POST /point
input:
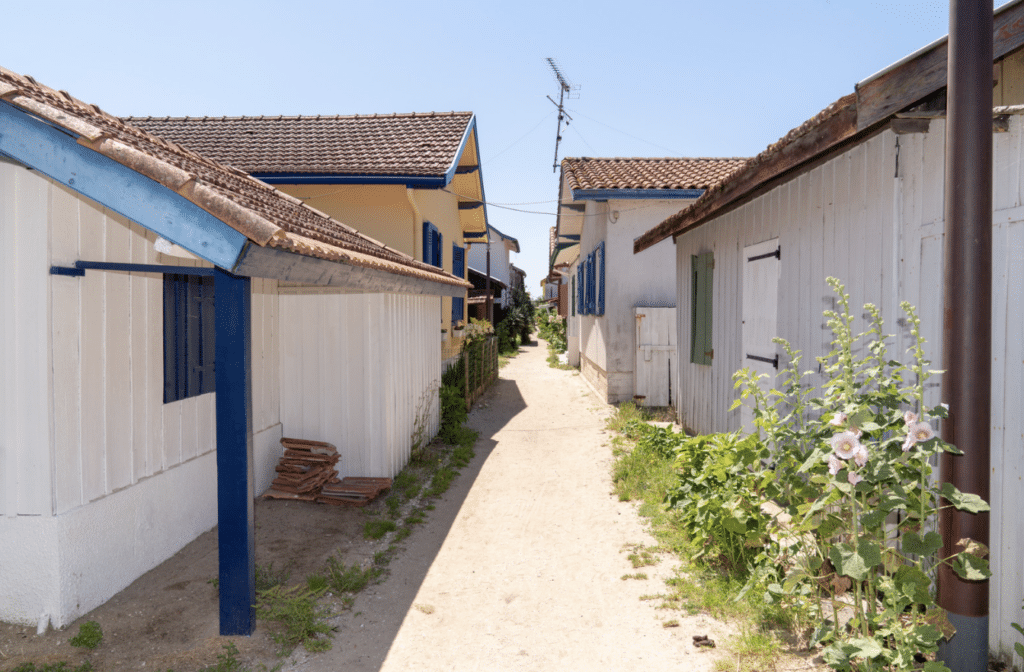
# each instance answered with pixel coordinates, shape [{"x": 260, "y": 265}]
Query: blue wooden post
[{"x": 235, "y": 528}]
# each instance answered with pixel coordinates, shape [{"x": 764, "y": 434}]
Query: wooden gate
[{"x": 654, "y": 371}]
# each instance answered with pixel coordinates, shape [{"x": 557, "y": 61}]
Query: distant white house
[
  {"x": 499, "y": 250},
  {"x": 604, "y": 204},
  {"x": 857, "y": 192},
  {"x": 164, "y": 321}
]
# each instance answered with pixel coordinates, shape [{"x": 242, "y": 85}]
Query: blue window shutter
[
  {"x": 600, "y": 291},
  {"x": 591, "y": 284},
  {"x": 581, "y": 308},
  {"x": 572, "y": 297},
  {"x": 459, "y": 270},
  {"x": 189, "y": 336},
  {"x": 428, "y": 241},
  {"x": 438, "y": 249}
]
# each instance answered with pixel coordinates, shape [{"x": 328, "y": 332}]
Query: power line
[{"x": 635, "y": 137}]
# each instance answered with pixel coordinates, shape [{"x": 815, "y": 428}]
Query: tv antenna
[{"x": 564, "y": 87}]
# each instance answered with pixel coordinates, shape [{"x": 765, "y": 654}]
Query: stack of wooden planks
[
  {"x": 306, "y": 472},
  {"x": 303, "y": 469}
]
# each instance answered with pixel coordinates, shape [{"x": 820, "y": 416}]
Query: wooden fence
[{"x": 481, "y": 356}]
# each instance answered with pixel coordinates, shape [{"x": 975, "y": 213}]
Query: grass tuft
[
  {"x": 377, "y": 528},
  {"x": 89, "y": 636}
]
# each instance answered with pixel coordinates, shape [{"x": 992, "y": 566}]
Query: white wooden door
[
  {"x": 761, "y": 265},
  {"x": 654, "y": 371}
]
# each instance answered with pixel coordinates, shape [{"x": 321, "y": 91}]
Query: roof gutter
[
  {"x": 413, "y": 181},
  {"x": 634, "y": 194}
]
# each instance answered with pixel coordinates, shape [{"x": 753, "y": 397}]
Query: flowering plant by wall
[{"x": 856, "y": 557}]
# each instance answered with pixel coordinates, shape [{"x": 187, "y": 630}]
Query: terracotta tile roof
[
  {"x": 639, "y": 173},
  {"x": 263, "y": 214},
  {"x": 392, "y": 144}
]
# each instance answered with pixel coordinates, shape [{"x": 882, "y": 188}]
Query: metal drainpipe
[{"x": 967, "y": 317}]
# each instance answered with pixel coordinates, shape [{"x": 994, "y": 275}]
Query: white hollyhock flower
[
  {"x": 834, "y": 464},
  {"x": 910, "y": 417},
  {"x": 861, "y": 456},
  {"x": 844, "y": 445},
  {"x": 854, "y": 478},
  {"x": 838, "y": 420},
  {"x": 921, "y": 431}
]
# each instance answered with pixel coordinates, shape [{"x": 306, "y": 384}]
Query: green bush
[{"x": 721, "y": 487}]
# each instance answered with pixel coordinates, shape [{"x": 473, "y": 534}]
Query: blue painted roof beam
[{"x": 56, "y": 153}]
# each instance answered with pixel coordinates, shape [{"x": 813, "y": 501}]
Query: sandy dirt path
[{"x": 520, "y": 566}]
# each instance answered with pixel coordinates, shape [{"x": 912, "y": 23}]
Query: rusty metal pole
[{"x": 967, "y": 318}]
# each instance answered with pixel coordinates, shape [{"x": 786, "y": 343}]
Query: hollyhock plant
[{"x": 873, "y": 524}]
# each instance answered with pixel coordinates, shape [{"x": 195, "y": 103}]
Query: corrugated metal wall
[
  {"x": 853, "y": 218},
  {"x": 361, "y": 371},
  {"x": 82, "y": 358}
]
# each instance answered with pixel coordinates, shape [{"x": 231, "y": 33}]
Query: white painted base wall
[{"x": 64, "y": 566}]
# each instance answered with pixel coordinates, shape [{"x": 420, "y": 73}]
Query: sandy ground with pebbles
[
  {"x": 518, "y": 567},
  {"x": 521, "y": 565}
]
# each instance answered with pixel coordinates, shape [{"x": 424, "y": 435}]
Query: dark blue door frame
[{"x": 235, "y": 528}]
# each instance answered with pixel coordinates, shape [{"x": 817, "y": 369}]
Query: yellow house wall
[
  {"x": 381, "y": 211},
  {"x": 385, "y": 213}
]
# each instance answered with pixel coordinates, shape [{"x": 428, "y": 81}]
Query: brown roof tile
[
  {"x": 640, "y": 173},
  {"x": 381, "y": 144},
  {"x": 263, "y": 214}
]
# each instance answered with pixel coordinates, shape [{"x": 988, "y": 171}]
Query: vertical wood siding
[
  {"x": 24, "y": 419},
  {"x": 879, "y": 229},
  {"x": 361, "y": 371},
  {"x": 84, "y": 397}
]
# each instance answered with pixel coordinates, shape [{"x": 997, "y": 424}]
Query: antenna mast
[{"x": 563, "y": 88}]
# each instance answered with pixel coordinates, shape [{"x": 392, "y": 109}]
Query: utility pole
[{"x": 563, "y": 88}]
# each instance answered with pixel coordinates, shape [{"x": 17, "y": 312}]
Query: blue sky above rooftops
[{"x": 655, "y": 79}]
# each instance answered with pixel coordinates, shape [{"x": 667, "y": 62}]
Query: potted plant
[{"x": 459, "y": 329}]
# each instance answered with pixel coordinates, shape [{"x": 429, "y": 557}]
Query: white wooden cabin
[
  {"x": 102, "y": 476},
  {"x": 604, "y": 204},
  {"x": 857, "y": 193}
]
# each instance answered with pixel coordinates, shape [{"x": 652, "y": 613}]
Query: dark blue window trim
[
  {"x": 189, "y": 336},
  {"x": 600, "y": 289}
]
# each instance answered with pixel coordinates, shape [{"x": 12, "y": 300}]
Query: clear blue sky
[{"x": 655, "y": 78}]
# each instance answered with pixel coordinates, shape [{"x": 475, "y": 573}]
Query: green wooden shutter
[{"x": 702, "y": 269}]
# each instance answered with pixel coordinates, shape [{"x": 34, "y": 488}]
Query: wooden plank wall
[
  {"x": 852, "y": 218},
  {"x": 24, "y": 382},
  {"x": 86, "y": 401},
  {"x": 360, "y": 371}
]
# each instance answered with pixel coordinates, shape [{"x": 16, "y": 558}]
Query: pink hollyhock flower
[
  {"x": 854, "y": 478},
  {"x": 910, "y": 417},
  {"x": 861, "y": 456},
  {"x": 844, "y": 445},
  {"x": 834, "y": 464},
  {"x": 838, "y": 420}
]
